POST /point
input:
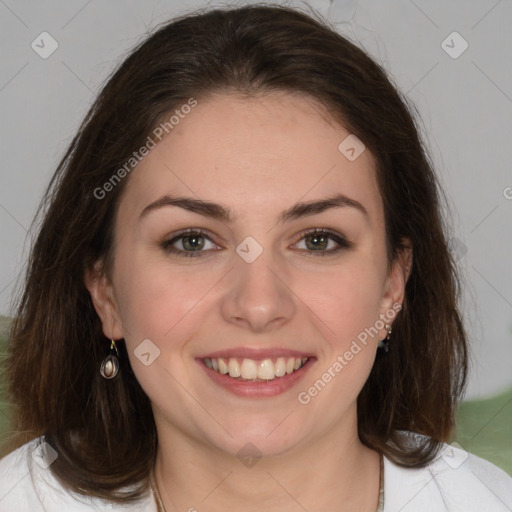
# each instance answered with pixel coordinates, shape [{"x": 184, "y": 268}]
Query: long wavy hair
[{"x": 104, "y": 431}]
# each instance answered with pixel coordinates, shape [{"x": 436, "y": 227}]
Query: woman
[{"x": 241, "y": 293}]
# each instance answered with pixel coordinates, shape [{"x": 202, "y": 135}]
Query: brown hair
[{"x": 103, "y": 430}]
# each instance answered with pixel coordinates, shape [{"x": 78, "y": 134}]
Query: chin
[{"x": 259, "y": 438}]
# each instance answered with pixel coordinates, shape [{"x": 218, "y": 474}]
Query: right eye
[{"x": 192, "y": 242}]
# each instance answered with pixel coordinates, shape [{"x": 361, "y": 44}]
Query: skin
[{"x": 256, "y": 157}]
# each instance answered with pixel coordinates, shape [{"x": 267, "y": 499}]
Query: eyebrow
[{"x": 219, "y": 212}]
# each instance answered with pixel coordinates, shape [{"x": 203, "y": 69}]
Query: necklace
[
  {"x": 156, "y": 495},
  {"x": 160, "y": 506},
  {"x": 380, "y": 507}
]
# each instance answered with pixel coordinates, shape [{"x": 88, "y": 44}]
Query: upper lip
[{"x": 255, "y": 353}]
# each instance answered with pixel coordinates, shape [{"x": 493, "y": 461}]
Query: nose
[{"x": 259, "y": 297}]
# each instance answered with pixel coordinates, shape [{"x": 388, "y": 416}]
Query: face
[{"x": 254, "y": 292}]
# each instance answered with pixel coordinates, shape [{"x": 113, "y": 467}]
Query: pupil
[
  {"x": 196, "y": 242},
  {"x": 318, "y": 239}
]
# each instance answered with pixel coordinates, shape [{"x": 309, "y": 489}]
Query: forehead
[{"x": 248, "y": 153}]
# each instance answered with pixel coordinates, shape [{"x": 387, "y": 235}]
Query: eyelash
[{"x": 340, "y": 240}]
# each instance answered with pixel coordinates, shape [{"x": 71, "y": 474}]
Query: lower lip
[{"x": 251, "y": 389}]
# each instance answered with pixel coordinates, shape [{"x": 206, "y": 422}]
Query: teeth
[
  {"x": 250, "y": 369},
  {"x": 234, "y": 368},
  {"x": 266, "y": 370},
  {"x": 280, "y": 368},
  {"x": 223, "y": 367}
]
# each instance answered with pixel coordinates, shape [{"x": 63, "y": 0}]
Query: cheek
[
  {"x": 348, "y": 308},
  {"x": 162, "y": 306},
  {"x": 345, "y": 300},
  {"x": 151, "y": 298}
]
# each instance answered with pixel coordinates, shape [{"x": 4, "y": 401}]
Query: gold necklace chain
[
  {"x": 380, "y": 507},
  {"x": 160, "y": 506},
  {"x": 156, "y": 495}
]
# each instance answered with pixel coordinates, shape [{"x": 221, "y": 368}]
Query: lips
[{"x": 256, "y": 373}]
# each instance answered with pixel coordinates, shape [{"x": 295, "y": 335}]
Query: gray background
[{"x": 465, "y": 105}]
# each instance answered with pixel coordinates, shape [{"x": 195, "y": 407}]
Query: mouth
[
  {"x": 254, "y": 374},
  {"x": 255, "y": 370}
]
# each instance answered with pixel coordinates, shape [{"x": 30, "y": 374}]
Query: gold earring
[
  {"x": 110, "y": 365},
  {"x": 384, "y": 344}
]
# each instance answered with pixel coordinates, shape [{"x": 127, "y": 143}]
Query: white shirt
[{"x": 455, "y": 481}]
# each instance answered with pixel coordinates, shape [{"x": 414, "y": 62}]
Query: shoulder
[
  {"x": 28, "y": 485},
  {"x": 454, "y": 481}
]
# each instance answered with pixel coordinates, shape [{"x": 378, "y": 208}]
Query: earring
[
  {"x": 384, "y": 344},
  {"x": 110, "y": 365}
]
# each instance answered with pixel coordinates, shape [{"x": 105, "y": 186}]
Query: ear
[
  {"x": 103, "y": 299},
  {"x": 394, "y": 288}
]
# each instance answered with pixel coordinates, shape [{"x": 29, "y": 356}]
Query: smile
[
  {"x": 254, "y": 373},
  {"x": 253, "y": 369}
]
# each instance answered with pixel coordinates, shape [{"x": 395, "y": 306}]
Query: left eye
[{"x": 317, "y": 241}]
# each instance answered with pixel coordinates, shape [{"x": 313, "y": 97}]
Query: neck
[{"x": 333, "y": 472}]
